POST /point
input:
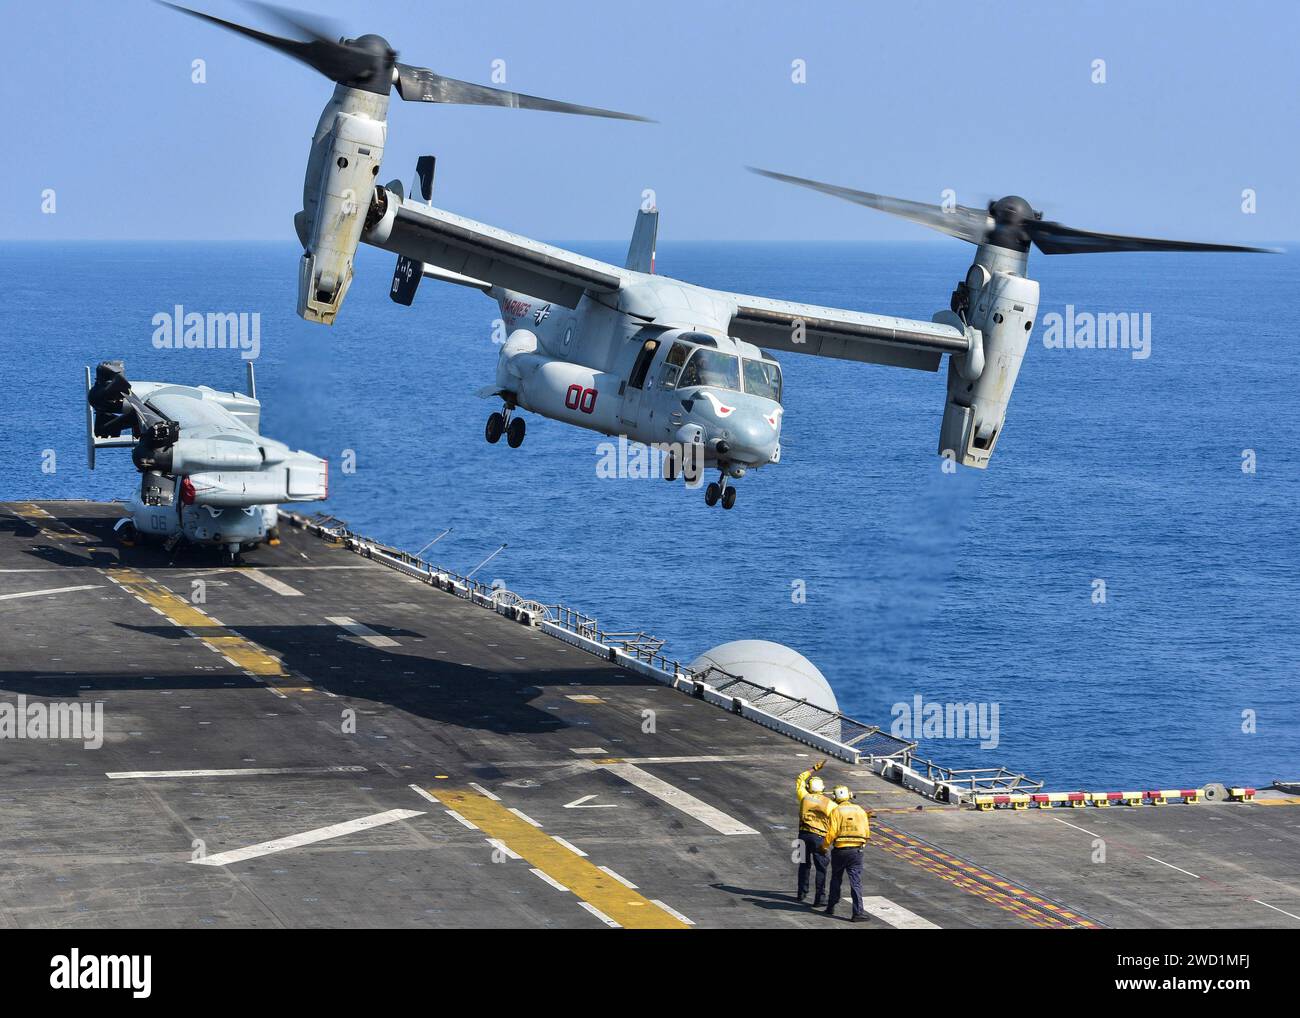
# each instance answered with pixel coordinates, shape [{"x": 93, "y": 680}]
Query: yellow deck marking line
[
  {"x": 48, "y": 526},
  {"x": 1006, "y": 896},
  {"x": 594, "y": 888},
  {"x": 241, "y": 652},
  {"x": 237, "y": 650}
]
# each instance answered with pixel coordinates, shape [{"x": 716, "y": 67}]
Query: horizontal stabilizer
[{"x": 641, "y": 252}]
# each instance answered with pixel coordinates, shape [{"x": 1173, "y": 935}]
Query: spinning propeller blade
[
  {"x": 1009, "y": 222},
  {"x": 370, "y": 63}
]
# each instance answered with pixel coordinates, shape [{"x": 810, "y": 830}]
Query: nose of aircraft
[{"x": 751, "y": 437}]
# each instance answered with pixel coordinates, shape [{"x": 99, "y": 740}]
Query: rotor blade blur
[
  {"x": 1056, "y": 238},
  {"x": 337, "y": 62},
  {"x": 313, "y": 28},
  {"x": 962, "y": 222},
  {"x": 420, "y": 84}
]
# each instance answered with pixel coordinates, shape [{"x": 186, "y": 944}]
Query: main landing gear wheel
[
  {"x": 728, "y": 497},
  {"x": 712, "y": 493},
  {"x": 515, "y": 432},
  {"x": 496, "y": 424}
]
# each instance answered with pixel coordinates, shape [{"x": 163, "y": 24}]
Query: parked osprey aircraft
[
  {"x": 206, "y": 475},
  {"x": 622, "y": 351}
]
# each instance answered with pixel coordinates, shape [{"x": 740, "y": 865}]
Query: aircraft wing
[
  {"x": 498, "y": 257},
  {"x": 844, "y": 335}
]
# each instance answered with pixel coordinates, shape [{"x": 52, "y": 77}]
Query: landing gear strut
[
  {"x": 720, "y": 490},
  {"x": 502, "y": 423}
]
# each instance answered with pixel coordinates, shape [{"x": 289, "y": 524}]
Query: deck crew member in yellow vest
[
  {"x": 848, "y": 832},
  {"x": 814, "y": 820}
]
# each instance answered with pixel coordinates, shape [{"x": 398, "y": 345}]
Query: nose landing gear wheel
[
  {"x": 496, "y": 424},
  {"x": 515, "y": 433},
  {"x": 712, "y": 493},
  {"x": 728, "y": 497}
]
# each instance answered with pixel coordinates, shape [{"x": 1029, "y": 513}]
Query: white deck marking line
[
  {"x": 270, "y": 582},
  {"x": 590, "y": 751},
  {"x": 684, "y": 759},
  {"x": 672, "y": 912},
  {"x": 461, "y": 820},
  {"x": 895, "y": 915},
  {"x": 422, "y": 793},
  {"x": 678, "y": 799},
  {"x": 600, "y": 915},
  {"x": 505, "y": 849},
  {"x": 234, "y": 772},
  {"x": 51, "y": 590},
  {"x": 1275, "y": 908},
  {"x": 484, "y": 792},
  {"x": 572, "y": 848},
  {"x": 522, "y": 815},
  {"x": 1172, "y": 866},
  {"x": 308, "y": 837},
  {"x": 1068, "y": 824},
  {"x": 355, "y": 628},
  {"x": 545, "y": 878},
  {"x": 621, "y": 879}
]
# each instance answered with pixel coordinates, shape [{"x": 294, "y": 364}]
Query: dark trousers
[
  {"x": 812, "y": 856},
  {"x": 846, "y": 860}
]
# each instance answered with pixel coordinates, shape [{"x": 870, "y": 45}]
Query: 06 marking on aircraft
[
  {"x": 606, "y": 897},
  {"x": 1022, "y": 903}
]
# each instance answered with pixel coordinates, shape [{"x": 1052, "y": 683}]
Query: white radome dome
[{"x": 770, "y": 664}]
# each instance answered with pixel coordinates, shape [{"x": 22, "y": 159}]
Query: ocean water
[{"x": 974, "y": 587}]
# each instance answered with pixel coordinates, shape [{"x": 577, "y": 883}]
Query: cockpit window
[
  {"x": 677, "y": 355},
  {"x": 763, "y": 378},
  {"x": 711, "y": 367}
]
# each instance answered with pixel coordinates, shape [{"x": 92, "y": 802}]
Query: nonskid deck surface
[{"x": 316, "y": 740}]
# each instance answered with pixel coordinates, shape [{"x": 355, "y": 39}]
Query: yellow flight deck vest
[
  {"x": 850, "y": 827},
  {"x": 814, "y": 808}
]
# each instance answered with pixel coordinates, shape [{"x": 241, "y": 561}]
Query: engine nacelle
[
  {"x": 346, "y": 153},
  {"x": 1002, "y": 305}
]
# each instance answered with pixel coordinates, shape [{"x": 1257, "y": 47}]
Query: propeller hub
[
  {"x": 1011, "y": 210},
  {"x": 1010, "y": 214}
]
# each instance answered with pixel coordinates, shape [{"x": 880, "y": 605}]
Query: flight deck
[{"x": 318, "y": 739}]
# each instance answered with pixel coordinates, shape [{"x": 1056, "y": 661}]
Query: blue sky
[{"x": 902, "y": 98}]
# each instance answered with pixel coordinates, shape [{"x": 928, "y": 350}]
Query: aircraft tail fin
[{"x": 641, "y": 252}]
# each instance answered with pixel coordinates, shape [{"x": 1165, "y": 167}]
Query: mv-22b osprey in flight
[{"x": 620, "y": 350}]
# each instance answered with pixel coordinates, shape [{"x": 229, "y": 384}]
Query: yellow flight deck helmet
[
  {"x": 841, "y": 793},
  {"x": 816, "y": 784}
]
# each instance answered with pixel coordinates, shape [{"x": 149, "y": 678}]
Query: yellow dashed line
[
  {"x": 972, "y": 880},
  {"x": 241, "y": 652},
  {"x": 592, "y": 885}
]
